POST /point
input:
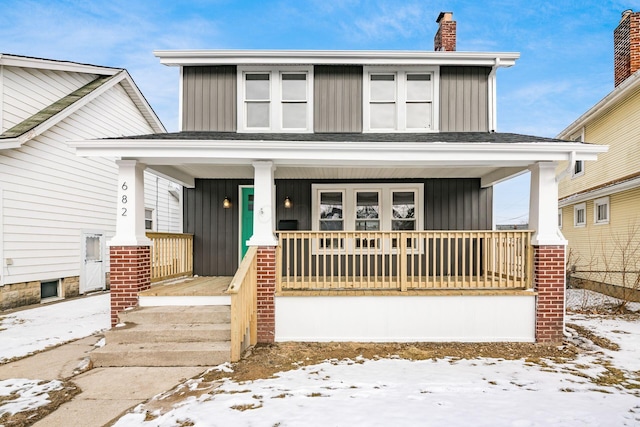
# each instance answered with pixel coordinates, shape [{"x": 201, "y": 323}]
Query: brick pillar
[
  {"x": 130, "y": 273},
  {"x": 445, "y": 38},
  {"x": 549, "y": 282},
  {"x": 266, "y": 294}
]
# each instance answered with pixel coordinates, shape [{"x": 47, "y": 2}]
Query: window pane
[
  {"x": 331, "y": 205},
  {"x": 404, "y": 204},
  {"x": 368, "y": 225},
  {"x": 419, "y": 115},
  {"x": 383, "y": 116},
  {"x": 294, "y": 87},
  {"x": 418, "y": 87},
  {"x": 258, "y": 114},
  {"x": 400, "y": 225},
  {"x": 93, "y": 249},
  {"x": 257, "y": 87},
  {"x": 601, "y": 212},
  {"x": 383, "y": 87},
  {"x": 367, "y": 205},
  {"x": 330, "y": 225},
  {"x": 294, "y": 115}
]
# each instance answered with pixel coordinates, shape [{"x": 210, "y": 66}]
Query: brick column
[
  {"x": 266, "y": 294},
  {"x": 130, "y": 274},
  {"x": 549, "y": 282}
]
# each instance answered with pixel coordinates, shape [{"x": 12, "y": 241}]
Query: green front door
[{"x": 246, "y": 218}]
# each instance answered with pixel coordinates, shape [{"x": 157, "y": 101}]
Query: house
[
  {"x": 599, "y": 213},
  {"x": 57, "y": 209},
  {"x": 353, "y": 190}
]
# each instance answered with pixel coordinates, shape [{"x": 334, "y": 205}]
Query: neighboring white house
[{"x": 57, "y": 209}]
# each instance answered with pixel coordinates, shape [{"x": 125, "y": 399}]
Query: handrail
[
  {"x": 244, "y": 305},
  {"x": 404, "y": 260},
  {"x": 171, "y": 255}
]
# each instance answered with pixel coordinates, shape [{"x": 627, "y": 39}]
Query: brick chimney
[
  {"x": 626, "y": 46},
  {"x": 445, "y": 38}
]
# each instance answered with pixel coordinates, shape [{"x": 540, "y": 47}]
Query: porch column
[
  {"x": 264, "y": 239},
  {"x": 129, "y": 249},
  {"x": 549, "y": 253}
]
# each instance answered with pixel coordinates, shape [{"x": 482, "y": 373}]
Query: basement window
[{"x": 50, "y": 289}]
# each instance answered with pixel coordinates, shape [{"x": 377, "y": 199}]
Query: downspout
[
  {"x": 570, "y": 167},
  {"x": 493, "y": 109}
]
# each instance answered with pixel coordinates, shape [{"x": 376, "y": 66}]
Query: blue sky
[{"x": 566, "y": 47}]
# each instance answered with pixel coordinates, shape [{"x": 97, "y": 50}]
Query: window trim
[
  {"x": 576, "y": 208},
  {"x": 603, "y": 201},
  {"x": 275, "y": 99},
  {"x": 152, "y": 219},
  {"x": 560, "y": 218},
  {"x": 400, "y": 73},
  {"x": 349, "y": 191}
]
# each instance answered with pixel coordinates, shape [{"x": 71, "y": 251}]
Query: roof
[
  {"x": 431, "y": 137},
  {"x": 106, "y": 78},
  {"x": 335, "y": 57}
]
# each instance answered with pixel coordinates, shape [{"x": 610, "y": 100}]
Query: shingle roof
[{"x": 436, "y": 137}]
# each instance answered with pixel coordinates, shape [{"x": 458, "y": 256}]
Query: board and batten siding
[
  {"x": 209, "y": 98},
  {"x": 337, "y": 98},
  {"x": 450, "y": 204},
  {"x": 464, "y": 99},
  {"x": 25, "y": 91},
  {"x": 167, "y": 209},
  {"x": 50, "y": 195}
]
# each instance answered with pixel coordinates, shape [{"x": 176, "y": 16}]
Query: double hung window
[
  {"x": 601, "y": 211},
  {"x": 580, "y": 215}
]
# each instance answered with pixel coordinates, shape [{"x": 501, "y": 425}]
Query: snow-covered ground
[{"x": 442, "y": 392}]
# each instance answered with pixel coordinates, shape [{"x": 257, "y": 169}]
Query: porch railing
[
  {"x": 244, "y": 305},
  {"x": 402, "y": 261},
  {"x": 171, "y": 255}
]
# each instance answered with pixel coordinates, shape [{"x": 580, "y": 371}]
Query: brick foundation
[
  {"x": 266, "y": 294},
  {"x": 549, "y": 282},
  {"x": 130, "y": 274}
]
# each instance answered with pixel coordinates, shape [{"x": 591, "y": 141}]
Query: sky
[
  {"x": 566, "y": 47},
  {"x": 387, "y": 391}
]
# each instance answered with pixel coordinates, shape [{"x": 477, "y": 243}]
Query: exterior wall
[
  {"x": 209, "y": 98},
  {"x": 600, "y": 252},
  {"x": 27, "y": 91},
  {"x": 21, "y": 294},
  {"x": 464, "y": 105},
  {"x": 167, "y": 209},
  {"x": 619, "y": 128},
  {"x": 337, "y": 98},
  {"x": 406, "y": 318},
  {"x": 450, "y": 204}
]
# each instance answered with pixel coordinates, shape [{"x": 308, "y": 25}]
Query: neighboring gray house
[{"x": 57, "y": 209}]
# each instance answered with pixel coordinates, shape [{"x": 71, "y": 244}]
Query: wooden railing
[
  {"x": 171, "y": 255},
  {"x": 417, "y": 260},
  {"x": 243, "y": 291}
]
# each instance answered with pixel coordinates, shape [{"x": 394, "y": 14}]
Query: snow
[
  {"x": 441, "y": 392},
  {"x": 26, "y": 331}
]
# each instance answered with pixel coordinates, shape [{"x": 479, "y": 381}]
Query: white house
[{"x": 57, "y": 209}]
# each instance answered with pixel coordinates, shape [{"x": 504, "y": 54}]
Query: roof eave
[{"x": 50, "y": 64}]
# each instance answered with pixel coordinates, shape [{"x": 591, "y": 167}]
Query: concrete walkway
[{"x": 106, "y": 392}]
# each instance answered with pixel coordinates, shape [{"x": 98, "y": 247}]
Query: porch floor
[{"x": 190, "y": 286}]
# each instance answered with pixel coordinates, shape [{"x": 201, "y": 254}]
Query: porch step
[
  {"x": 162, "y": 354},
  {"x": 168, "y": 336}
]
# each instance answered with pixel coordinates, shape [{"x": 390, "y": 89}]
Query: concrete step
[
  {"x": 162, "y": 354},
  {"x": 179, "y": 333},
  {"x": 177, "y": 315}
]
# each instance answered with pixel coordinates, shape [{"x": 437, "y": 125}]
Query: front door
[
  {"x": 92, "y": 275},
  {"x": 246, "y": 218}
]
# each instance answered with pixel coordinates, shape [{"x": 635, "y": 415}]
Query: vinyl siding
[
  {"x": 464, "y": 99},
  {"x": 209, "y": 98},
  {"x": 27, "y": 91},
  {"x": 167, "y": 210},
  {"x": 596, "y": 247},
  {"x": 337, "y": 98},
  {"x": 619, "y": 128},
  {"x": 50, "y": 195},
  {"x": 449, "y": 204}
]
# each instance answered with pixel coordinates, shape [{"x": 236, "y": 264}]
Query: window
[
  {"x": 49, "y": 289},
  {"x": 367, "y": 207},
  {"x": 275, "y": 100},
  {"x": 580, "y": 215},
  {"x": 560, "y": 218},
  {"x": 578, "y": 169},
  {"x": 601, "y": 211},
  {"x": 399, "y": 100},
  {"x": 148, "y": 219}
]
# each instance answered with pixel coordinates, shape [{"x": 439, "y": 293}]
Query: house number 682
[{"x": 124, "y": 187}]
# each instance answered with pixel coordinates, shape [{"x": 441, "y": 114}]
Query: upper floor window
[
  {"x": 275, "y": 100},
  {"x": 399, "y": 100},
  {"x": 578, "y": 168},
  {"x": 601, "y": 210},
  {"x": 580, "y": 215}
]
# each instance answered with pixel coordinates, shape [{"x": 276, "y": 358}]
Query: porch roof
[{"x": 493, "y": 157}]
